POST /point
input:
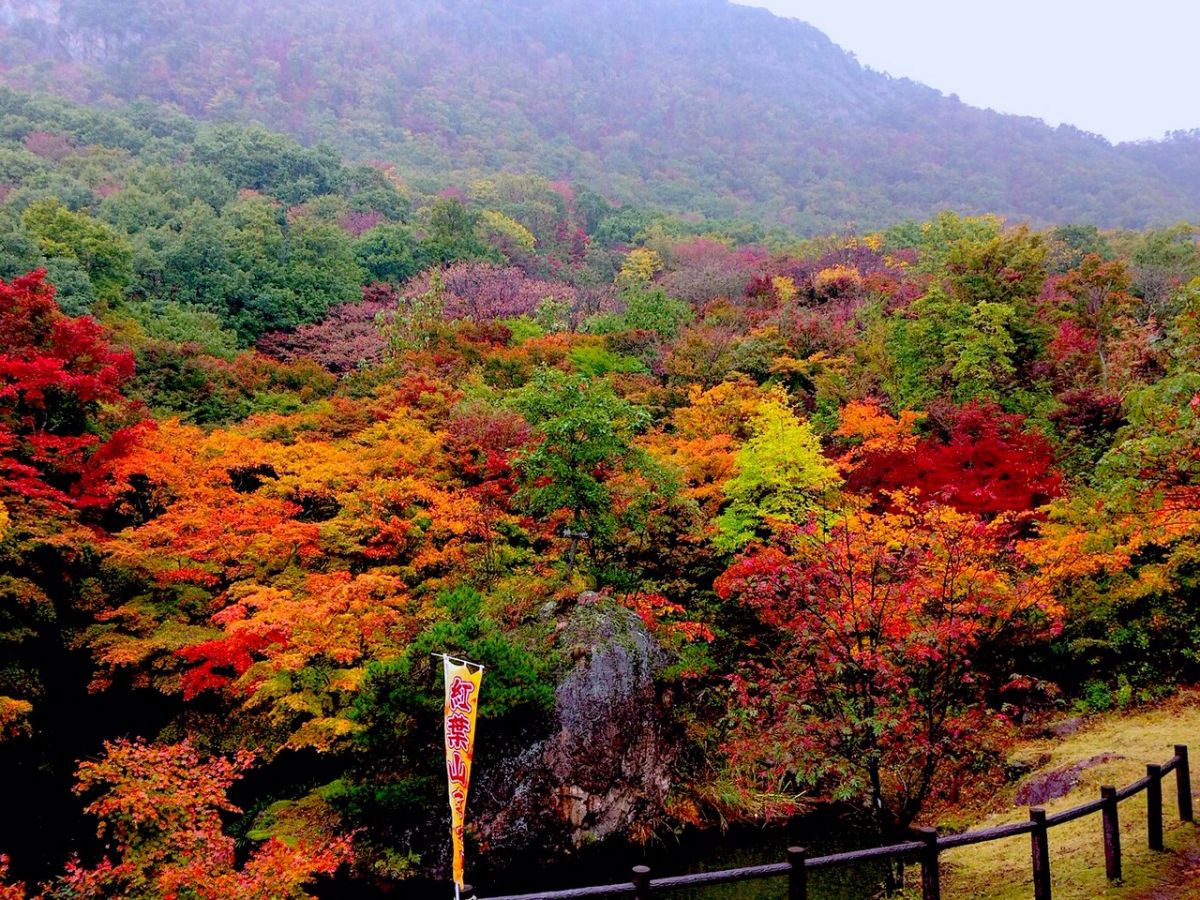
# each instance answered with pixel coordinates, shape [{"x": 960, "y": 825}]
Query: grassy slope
[{"x": 1000, "y": 870}]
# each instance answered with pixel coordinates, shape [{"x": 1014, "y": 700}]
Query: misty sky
[{"x": 1126, "y": 70}]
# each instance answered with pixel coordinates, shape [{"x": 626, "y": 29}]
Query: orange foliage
[
  {"x": 871, "y": 431},
  {"x": 160, "y": 811}
]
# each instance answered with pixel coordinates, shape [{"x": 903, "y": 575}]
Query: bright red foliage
[
  {"x": 986, "y": 465},
  {"x": 56, "y": 375},
  {"x": 224, "y": 659},
  {"x": 483, "y": 443},
  {"x": 878, "y": 624},
  {"x": 662, "y": 615}
]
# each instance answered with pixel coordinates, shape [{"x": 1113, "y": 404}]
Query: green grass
[{"x": 1000, "y": 870}]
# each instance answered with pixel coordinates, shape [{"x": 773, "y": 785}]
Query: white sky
[{"x": 1126, "y": 70}]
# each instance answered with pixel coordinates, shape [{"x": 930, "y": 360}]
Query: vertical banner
[{"x": 462, "y": 702}]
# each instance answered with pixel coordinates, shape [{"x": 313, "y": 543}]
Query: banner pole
[
  {"x": 445, "y": 666},
  {"x": 454, "y": 659},
  {"x": 462, "y": 680}
]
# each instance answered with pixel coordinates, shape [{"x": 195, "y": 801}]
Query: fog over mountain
[{"x": 697, "y": 106}]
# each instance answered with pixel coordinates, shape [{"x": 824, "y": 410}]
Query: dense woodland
[
  {"x": 275, "y": 427},
  {"x": 701, "y": 107}
]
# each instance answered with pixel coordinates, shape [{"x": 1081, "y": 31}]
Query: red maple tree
[{"x": 63, "y": 418}]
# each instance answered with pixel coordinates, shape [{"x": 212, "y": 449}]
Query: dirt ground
[{"x": 1180, "y": 881}]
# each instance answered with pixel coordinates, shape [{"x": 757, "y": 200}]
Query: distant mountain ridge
[{"x": 697, "y": 106}]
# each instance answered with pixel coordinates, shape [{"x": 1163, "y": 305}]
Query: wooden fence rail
[{"x": 927, "y": 849}]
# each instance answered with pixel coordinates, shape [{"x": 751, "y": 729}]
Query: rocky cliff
[{"x": 604, "y": 769}]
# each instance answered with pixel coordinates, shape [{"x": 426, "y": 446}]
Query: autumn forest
[{"x": 745, "y": 525}]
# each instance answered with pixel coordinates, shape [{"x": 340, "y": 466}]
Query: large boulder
[{"x": 605, "y": 765}]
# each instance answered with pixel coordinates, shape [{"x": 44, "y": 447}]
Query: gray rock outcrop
[{"x": 605, "y": 765}]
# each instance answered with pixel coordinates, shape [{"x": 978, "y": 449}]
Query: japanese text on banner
[{"x": 462, "y": 703}]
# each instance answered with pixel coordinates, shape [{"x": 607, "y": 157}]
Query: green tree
[
  {"x": 321, "y": 268},
  {"x": 198, "y": 265},
  {"x": 100, "y": 252},
  {"x": 1070, "y": 244},
  {"x": 260, "y": 300},
  {"x": 137, "y": 208},
  {"x": 19, "y": 251},
  {"x": 1005, "y": 268},
  {"x": 975, "y": 333},
  {"x": 647, "y": 308},
  {"x": 985, "y": 357},
  {"x": 782, "y": 476},
  {"x": 453, "y": 235},
  {"x": 585, "y": 432},
  {"x": 252, "y": 157},
  {"x": 419, "y": 323},
  {"x": 935, "y": 238},
  {"x": 651, "y": 309},
  {"x": 367, "y": 189},
  {"x": 1163, "y": 260},
  {"x": 184, "y": 324},
  {"x": 388, "y": 253}
]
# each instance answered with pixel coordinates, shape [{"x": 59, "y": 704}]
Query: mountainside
[{"x": 695, "y": 105}]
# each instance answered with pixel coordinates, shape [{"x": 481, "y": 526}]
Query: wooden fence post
[
  {"x": 1183, "y": 783},
  {"x": 797, "y": 874},
  {"x": 1112, "y": 834},
  {"x": 1154, "y": 834},
  {"x": 931, "y": 878},
  {"x": 1040, "y": 843},
  {"x": 641, "y": 882}
]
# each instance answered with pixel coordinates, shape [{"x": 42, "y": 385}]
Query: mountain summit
[{"x": 698, "y": 106}]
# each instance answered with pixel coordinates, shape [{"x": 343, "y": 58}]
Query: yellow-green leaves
[{"x": 782, "y": 476}]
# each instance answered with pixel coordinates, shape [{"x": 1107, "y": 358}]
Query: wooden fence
[{"x": 925, "y": 850}]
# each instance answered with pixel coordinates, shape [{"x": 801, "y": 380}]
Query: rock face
[
  {"x": 1047, "y": 786},
  {"x": 604, "y": 768},
  {"x": 101, "y": 34},
  {"x": 610, "y": 749}
]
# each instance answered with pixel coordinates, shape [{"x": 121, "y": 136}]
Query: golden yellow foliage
[{"x": 639, "y": 268}]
